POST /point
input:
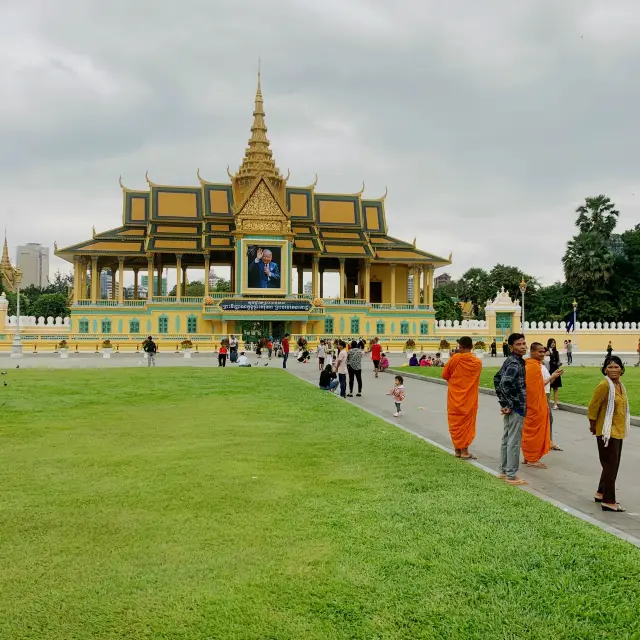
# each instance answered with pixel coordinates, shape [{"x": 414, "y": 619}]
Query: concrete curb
[
  {"x": 623, "y": 535},
  {"x": 563, "y": 406}
]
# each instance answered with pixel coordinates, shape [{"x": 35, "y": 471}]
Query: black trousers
[
  {"x": 222, "y": 359},
  {"x": 357, "y": 374},
  {"x": 610, "y": 461}
]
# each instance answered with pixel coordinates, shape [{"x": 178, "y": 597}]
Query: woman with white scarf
[{"x": 610, "y": 422}]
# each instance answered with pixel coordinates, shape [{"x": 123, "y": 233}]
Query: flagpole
[{"x": 575, "y": 312}]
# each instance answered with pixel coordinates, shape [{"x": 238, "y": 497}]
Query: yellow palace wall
[
  {"x": 383, "y": 273},
  {"x": 399, "y": 326}
]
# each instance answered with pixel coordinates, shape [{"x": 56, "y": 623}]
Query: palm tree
[
  {"x": 597, "y": 215},
  {"x": 588, "y": 262}
]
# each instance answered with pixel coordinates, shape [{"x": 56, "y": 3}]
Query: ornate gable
[{"x": 262, "y": 211}]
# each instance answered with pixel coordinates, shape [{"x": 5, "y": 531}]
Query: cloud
[{"x": 489, "y": 122}]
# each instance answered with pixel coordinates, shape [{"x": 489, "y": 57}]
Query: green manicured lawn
[
  {"x": 578, "y": 383},
  {"x": 246, "y": 504}
]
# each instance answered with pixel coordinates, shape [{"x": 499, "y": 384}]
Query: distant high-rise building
[
  {"x": 214, "y": 278},
  {"x": 307, "y": 288},
  {"x": 33, "y": 260},
  {"x": 442, "y": 280},
  {"x": 144, "y": 284},
  {"x": 410, "y": 289}
]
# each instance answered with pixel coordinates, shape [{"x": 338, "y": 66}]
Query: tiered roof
[{"x": 197, "y": 219}]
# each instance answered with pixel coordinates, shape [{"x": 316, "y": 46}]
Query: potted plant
[
  {"x": 444, "y": 345},
  {"x": 409, "y": 344},
  {"x": 208, "y": 300},
  {"x": 63, "y": 348},
  {"x": 107, "y": 348},
  {"x": 479, "y": 347},
  {"x": 187, "y": 346}
]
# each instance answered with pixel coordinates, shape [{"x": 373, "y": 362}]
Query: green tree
[
  {"x": 597, "y": 215},
  {"x": 475, "y": 287},
  {"x": 193, "y": 289},
  {"x": 446, "y": 307},
  {"x": 50, "y": 304},
  {"x": 589, "y": 260},
  {"x": 222, "y": 286}
]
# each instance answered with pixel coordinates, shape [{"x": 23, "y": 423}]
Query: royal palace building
[{"x": 263, "y": 229}]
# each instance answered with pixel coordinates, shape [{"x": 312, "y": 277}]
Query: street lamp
[
  {"x": 523, "y": 288},
  {"x": 16, "y": 347}
]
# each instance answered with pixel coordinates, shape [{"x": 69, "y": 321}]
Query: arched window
[
  {"x": 380, "y": 328},
  {"x": 192, "y": 324},
  {"x": 163, "y": 324},
  {"x": 404, "y": 328},
  {"x": 355, "y": 325},
  {"x": 424, "y": 328},
  {"x": 106, "y": 326},
  {"x": 134, "y": 326},
  {"x": 83, "y": 326},
  {"x": 328, "y": 325}
]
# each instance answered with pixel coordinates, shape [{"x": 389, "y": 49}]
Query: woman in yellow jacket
[{"x": 610, "y": 422}]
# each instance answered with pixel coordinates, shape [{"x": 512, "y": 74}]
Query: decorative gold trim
[
  {"x": 383, "y": 197},
  {"x": 93, "y": 232},
  {"x": 312, "y": 186},
  {"x": 361, "y": 190}
]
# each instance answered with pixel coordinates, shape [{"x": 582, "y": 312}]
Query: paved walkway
[{"x": 573, "y": 474}]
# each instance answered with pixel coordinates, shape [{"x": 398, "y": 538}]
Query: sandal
[
  {"x": 516, "y": 482},
  {"x": 555, "y": 447},
  {"x": 597, "y": 499},
  {"x": 469, "y": 457},
  {"x": 618, "y": 509},
  {"x": 536, "y": 465},
  {"x": 457, "y": 453}
]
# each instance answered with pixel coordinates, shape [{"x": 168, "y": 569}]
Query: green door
[{"x": 503, "y": 324}]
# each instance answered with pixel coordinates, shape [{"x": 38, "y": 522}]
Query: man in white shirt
[
  {"x": 322, "y": 353},
  {"x": 546, "y": 377},
  {"x": 243, "y": 361}
]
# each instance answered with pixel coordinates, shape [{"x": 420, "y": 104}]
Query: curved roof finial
[
  {"x": 146, "y": 177},
  {"x": 312, "y": 186},
  {"x": 229, "y": 173},
  {"x": 288, "y": 175},
  {"x": 120, "y": 183},
  {"x": 384, "y": 197},
  {"x": 450, "y": 256},
  {"x": 361, "y": 191}
]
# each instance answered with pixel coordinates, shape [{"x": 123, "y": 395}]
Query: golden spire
[
  {"x": 258, "y": 159},
  {"x": 6, "y": 262}
]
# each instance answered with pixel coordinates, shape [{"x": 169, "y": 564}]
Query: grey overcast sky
[{"x": 488, "y": 120}]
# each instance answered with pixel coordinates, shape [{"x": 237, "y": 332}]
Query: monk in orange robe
[
  {"x": 462, "y": 372},
  {"x": 536, "y": 430}
]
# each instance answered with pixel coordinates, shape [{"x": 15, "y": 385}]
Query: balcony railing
[
  {"x": 353, "y": 302},
  {"x": 110, "y": 303}
]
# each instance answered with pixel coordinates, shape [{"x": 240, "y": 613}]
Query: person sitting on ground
[
  {"x": 243, "y": 361},
  {"x": 328, "y": 379},
  {"x": 437, "y": 361},
  {"x": 423, "y": 361},
  {"x": 413, "y": 361},
  {"x": 384, "y": 362}
]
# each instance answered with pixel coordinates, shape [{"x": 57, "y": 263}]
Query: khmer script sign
[{"x": 266, "y": 306}]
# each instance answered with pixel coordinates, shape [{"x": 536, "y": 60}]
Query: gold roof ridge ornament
[
  {"x": 383, "y": 197},
  {"x": 359, "y": 193},
  {"x": 146, "y": 177},
  {"x": 122, "y": 185},
  {"x": 313, "y": 186}
]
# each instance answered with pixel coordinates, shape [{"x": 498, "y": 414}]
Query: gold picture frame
[{"x": 261, "y": 273}]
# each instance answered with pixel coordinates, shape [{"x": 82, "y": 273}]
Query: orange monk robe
[
  {"x": 536, "y": 430},
  {"x": 462, "y": 372}
]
